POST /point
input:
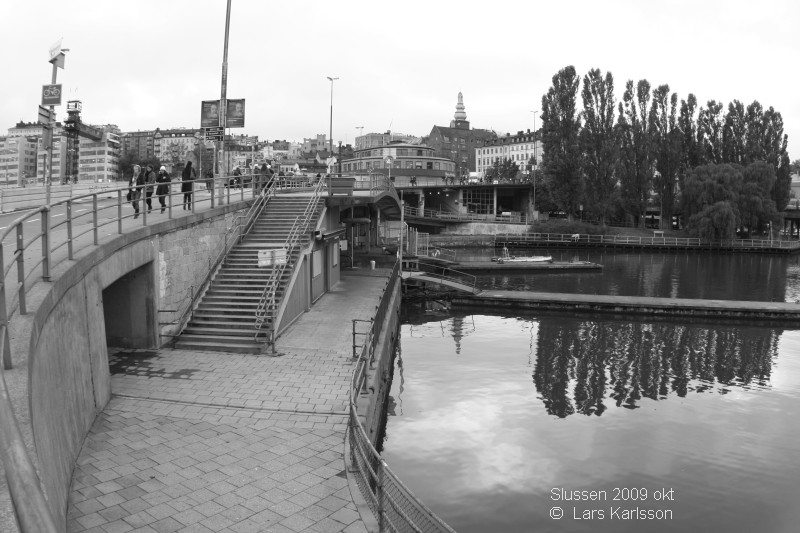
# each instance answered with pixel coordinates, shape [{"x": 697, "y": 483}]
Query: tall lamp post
[
  {"x": 535, "y": 164},
  {"x": 330, "y": 141},
  {"x": 360, "y": 133}
]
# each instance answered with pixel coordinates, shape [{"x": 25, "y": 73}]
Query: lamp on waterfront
[
  {"x": 535, "y": 163},
  {"x": 330, "y": 141},
  {"x": 360, "y": 134}
]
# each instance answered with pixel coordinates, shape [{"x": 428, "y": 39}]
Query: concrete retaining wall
[
  {"x": 69, "y": 371},
  {"x": 379, "y": 380}
]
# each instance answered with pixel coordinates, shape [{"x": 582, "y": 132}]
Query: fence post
[
  {"x": 94, "y": 218},
  {"x": 69, "y": 229},
  {"x": 379, "y": 494},
  {"x": 3, "y": 313},
  {"x": 46, "y": 243},
  {"x": 21, "y": 270},
  {"x": 119, "y": 211}
]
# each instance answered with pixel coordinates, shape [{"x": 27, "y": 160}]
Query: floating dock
[
  {"x": 524, "y": 266},
  {"x": 785, "y": 313}
]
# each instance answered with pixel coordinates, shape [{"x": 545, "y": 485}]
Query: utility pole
[
  {"x": 535, "y": 164},
  {"x": 57, "y": 57},
  {"x": 330, "y": 141},
  {"x": 223, "y": 104}
]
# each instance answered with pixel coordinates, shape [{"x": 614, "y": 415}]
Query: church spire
[
  {"x": 460, "y": 113},
  {"x": 460, "y": 118}
]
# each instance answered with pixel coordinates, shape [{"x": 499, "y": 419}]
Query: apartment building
[{"x": 520, "y": 148}]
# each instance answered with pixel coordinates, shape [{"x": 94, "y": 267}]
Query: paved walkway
[{"x": 218, "y": 442}]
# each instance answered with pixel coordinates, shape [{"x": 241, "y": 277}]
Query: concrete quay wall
[{"x": 69, "y": 380}]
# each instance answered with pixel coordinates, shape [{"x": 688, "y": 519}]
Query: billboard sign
[
  {"x": 209, "y": 114},
  {"x": 234, "y": 116}
]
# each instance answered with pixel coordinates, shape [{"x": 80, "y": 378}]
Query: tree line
[{"x": 722, "y": 169}]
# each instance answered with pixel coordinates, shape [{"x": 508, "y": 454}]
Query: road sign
[
  {"x": 51, "y": 94},
  {"x": 44, "y": 115},
  {"x": 214, "y": 134}
]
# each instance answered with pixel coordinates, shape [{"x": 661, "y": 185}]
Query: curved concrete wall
[{"x": 69, "y": 372}]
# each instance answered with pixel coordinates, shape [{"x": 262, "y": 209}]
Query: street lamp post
[
  {"x": 535, "y": 164},
  {"x": 360, "y": 134},
  {"x": 330, "y": 141}
]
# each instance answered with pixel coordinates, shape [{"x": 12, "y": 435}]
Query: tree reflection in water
[{"x": 581, "y": 366}]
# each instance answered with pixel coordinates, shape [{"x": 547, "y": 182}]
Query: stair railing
[
  {"x": 239, "y": 228},
  {"x": 267, "y": 308}
]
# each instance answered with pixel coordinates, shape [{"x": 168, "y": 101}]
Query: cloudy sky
[{"x": 143, "y": 64}]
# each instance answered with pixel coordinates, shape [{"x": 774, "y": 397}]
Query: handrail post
[
  {"x": 119, "y": 211},
  {"x": 95, "y": 227},
  {"x": 46, "y": 243},
  {"x": 21, "y": 269},
  {"x": 4, "y": 314},
  {"x": 69, "y": 230},
  {"x": 379, "y": 495}
]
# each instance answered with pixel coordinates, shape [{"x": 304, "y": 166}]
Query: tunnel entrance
[{"x": 129, "y": 310}]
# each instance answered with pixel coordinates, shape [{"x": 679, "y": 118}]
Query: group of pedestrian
[{"x": 143, "y": 184}]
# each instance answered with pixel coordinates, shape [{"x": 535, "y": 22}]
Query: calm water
[
  {"x": 680, "y": 275},
  {"x": 494, "y": 417}
]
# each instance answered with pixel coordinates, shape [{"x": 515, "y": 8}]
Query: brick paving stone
[{"x": 247, "y": 443}]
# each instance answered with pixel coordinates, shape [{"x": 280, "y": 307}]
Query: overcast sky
[{"x": 143, "y": 64}]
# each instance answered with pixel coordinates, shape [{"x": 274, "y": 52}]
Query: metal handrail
[
  {"x": 646, "y": 241},
  {"x": 30, "y": 505},
  {"x": 520, "y": 218},
  {"x": 449, "y": 274},
  {"x": 267, "y": 305},
  {"x": 394, "y": 505}
]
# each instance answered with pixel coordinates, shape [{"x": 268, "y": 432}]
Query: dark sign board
[
  {"x": 235, "y": 114},
  {"x": 209, "y": 114},
  {"x": 51, "y": 94}
]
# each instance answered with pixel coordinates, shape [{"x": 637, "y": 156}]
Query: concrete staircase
[{"x": 224, "y": 319}]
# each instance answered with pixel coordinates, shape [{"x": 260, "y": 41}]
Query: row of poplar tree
[{"x": 721, "y": 171}]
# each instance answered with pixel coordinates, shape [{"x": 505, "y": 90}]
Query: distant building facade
[
  {"x": 458, "y": 142},
  {"x": 404, "y": 160},
  {"x": 376, "y": 140},
  {"x": 18, "y": 159},
  {"x": 520, "y": 148},
  {"x": 140, "y": 145}
]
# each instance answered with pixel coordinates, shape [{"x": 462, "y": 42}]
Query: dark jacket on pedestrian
[
  {"x": 149, "y": 180},
  {"x": 187, "y": 177},
  {"x": 163, "y": 181}
]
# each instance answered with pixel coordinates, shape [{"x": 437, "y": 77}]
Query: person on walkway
[
  {"x": 209, "y": 179},
  {"x": 149, "y": 182},
  {"x": 135, "y": 189},
  {"x": 263, "y": 176},
  {"x": 187, "y": 180},
  {"x": 162, "y": 190}
]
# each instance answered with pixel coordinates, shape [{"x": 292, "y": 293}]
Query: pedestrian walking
[
  {"x": 209, "y": 179},
  {"x": 162, "y": 190},
  {"x": 149, "y": 185},
  {"x": 135, "y": 189},
  {"x": 187, "y": 180}
]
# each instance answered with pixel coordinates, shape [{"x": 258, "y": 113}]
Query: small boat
[{"x": 508, "y": 258}]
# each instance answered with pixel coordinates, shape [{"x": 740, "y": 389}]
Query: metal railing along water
[
  {"x": 677, "y": 242},
  {"x": 393, "y": 504},
  {"x": 510, "y": 218}
]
